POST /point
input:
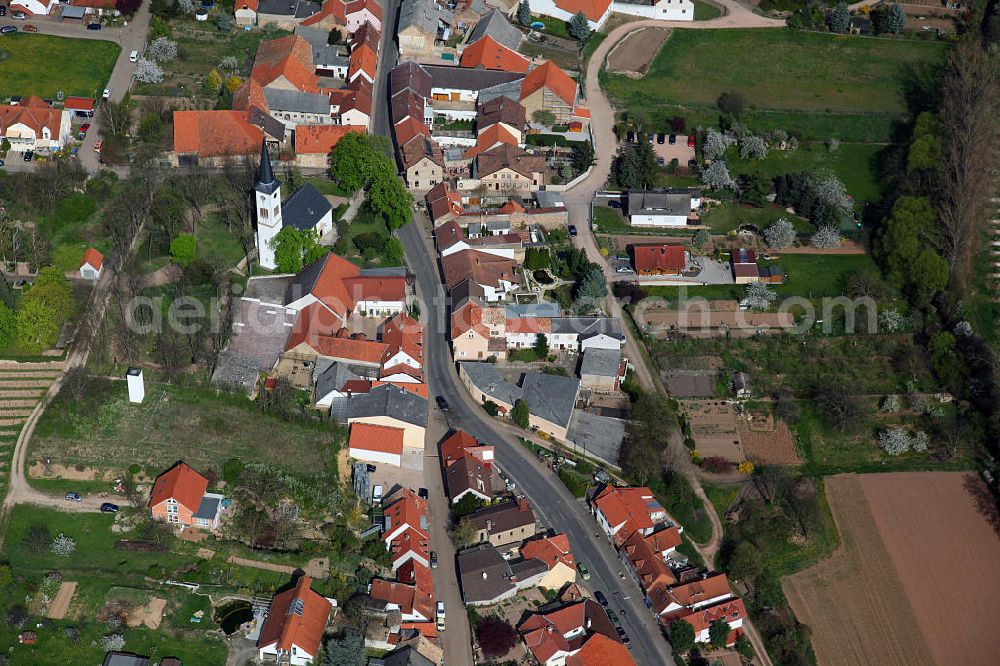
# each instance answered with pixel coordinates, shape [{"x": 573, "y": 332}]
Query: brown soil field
[
  {"x": 59, "y": 605},
  {"x": 632, "y": 55},
  {"x": 914, "y": 581},
  {"x": 771, "y": 444}
]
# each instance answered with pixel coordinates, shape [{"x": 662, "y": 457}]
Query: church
[{"x": 306, "y": 210}]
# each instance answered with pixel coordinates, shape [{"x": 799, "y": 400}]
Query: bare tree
[{"x": 970, "y": 124}]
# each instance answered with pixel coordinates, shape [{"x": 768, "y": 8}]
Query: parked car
[
  {"x": 673, "y": 139},
  {"x": 660, "y": 137},
  {"x": 624, "y": 269},
  {"x": 440, "y": 616},
  {"x": 601, "y": 599},
  {"x": 614, "y": 203},
  {"x": 8, "y": 29},
  {"x": 133, "y": 57},
  {"x": 691, "y": 141},
  {"x": 30, "y": 28},
  {"x": 614, "y": 619},
  {"x": 93, "y": 26},
  {"x": 19, "y": 16},
  {"x": 106, "y": 94},
  {"x": 659, "y": 161},
  {"x": 2, "y": 163},
  {"x": 422, "y": 493},
  {"x": 584, "y": 571},
  {"x": 28, "y": 154},
  {"x": 98, "y": 146},
  {"x": 572, "y": 230},
  {"x": 84, "y": 127},
  {"x": 3, "y": 10},
  {"x": 434, "y": 560},
  {"x": 630, "y": 137},
  {"x": 623, "y": 636},
  {"x": 108, "y": 507},
  {"x": 692, "y": 164},
  {"x": 441, "y": 403},
  {"x": 74, "y": 497},
  {"x": 74, "y": 150}
]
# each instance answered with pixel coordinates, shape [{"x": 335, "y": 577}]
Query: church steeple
[{"x": 266, "y": 182}]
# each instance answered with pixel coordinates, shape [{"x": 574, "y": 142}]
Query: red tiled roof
[
  {"x": 409, "y": 127},
  {"x": 592, "y": 9},
  {"x": 297, "y": 617},
  {"x": 407, "y": 510},
  {"x": 621, "y": 504},
  {"x": 476, "y": 317},
  {"x": 658, "y": 258},
  {"x": 33, "y": 113},
  {"x": 413, "y": 572},
  {"x": 360, "y": 5},
  {"x": 410, "y": 541},
  {"x": 700, "y": 590},
  {"x": 92, "y": 257},
  {"x": 250, "y": 95},
  {"x": 334, "y": 8},
  {"x": 487, "y": 53},
  {"x": 181, "y": 483},
  {"x": 252, "y": 5},
  {"x": 731, "y": 611},
  {"x": 367, "y": 34},
  {"x": 366, "y": 385},
  {"x": 320, "y": 139},
  {"x": 653, "y": 572},
  {"x": 599, "y": 650},
  {"x": 491, "y": 136},
  {"x": 511, "y": 207},
  {"x": 407, "y": 597},
  {"x": 481, "y": 267},
  {"x": 453, "y": 446},
  {"x": 289, "y": 57},
  {"x": 529, "y": 325},
  {"x": 441, "y": 201},
  {"x": 363, "y": 59},
  {"x": 382, "y": 439},
  {"x": 362, "y": 351},
  {"x": 404, "y": 333},
  {"x": 550, "y": 550},
  {"x": 550, "y": 76},
  {"x": 80, "y": 103},
  {"x": 374, "y": 288},
  {"x": 215, "y": 133}
]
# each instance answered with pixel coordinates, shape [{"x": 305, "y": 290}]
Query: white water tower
[{"x": 136, "y": 386}]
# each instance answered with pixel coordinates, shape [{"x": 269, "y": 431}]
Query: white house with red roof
[
  {"x": 34, "y": 125},
  {"x": 33, "y": 7},
  {"x": 404, "y": 360},
  {"x": 360, "y": 12},
  {"x": 732, "y": 611},
  {"x": 622, "y": 511},
  {"x": 596, "y": 11},
  {"x": 708, "y": 589},
  {"x": 179, "y": 496},
  {"x": 411, "y": 601},
  {"x": 404, "y": 512},
  {"x": 293, "y": 630},
  {"x": 377, "y": 444},
  {"x": 555, "y": 552},
  {"x": 91, "y": 264},
  {"x": 664, "y": 10}
]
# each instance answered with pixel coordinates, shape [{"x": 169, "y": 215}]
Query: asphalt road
[
  {"x": 388, "y": 55},
  {"x": 553, "y": 504}
]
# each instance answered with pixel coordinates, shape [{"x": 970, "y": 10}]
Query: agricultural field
[
  {"x": 43, "y": 65},
  {"x": 885, "y": 596}
]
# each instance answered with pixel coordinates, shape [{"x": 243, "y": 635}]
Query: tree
[
  {"x": 127, "y": 7},
  {"x": 536, "y": 258},
  {"x": 779, "y": 234},
  {"x": 347, "y": 650},
  {"x": 37, "y": 538},
  {"x": 349, "y": 161},
  {"x": 491, "y": 407},
  {"x": 213, "y": 81},
  {"x": 759, "y": 296},
  {"x": 335, "y": 37},
  {"x": 733, "y": 103},
  {"x": 701, "y": 239},
  {"x": 162, "y": 49},
  {"x": 37, "y": 326},
  {"x": 230, "y": 64},
  {"x": 890, "y": 20},
  {"x": 541, "y": 345},
  {"x": 636, "y": 168},
  {"x": 894, "y": 441},
  {"x": 906, "y": 248},
  {"x": 753, "y": 147},
  {"x": 393, "y": 250},
  {"x": 224, "y": 23},
  {"x": 524, "y": 13},
  {"x": 520, "y": 414},
  {"x": 744, "y": 647},
  {"x": 112, "y": 642},
  {"x": 579, "y": 27},
  {"x": 147, "y": 71},
  {"x": 745, "y": 563},
  {"x": 466, "y": 506},
  {"x": 17, "y": 615},
  {"x": 182, "y": 249},
  {"x": 839, "y": 20},
  {"x": 716, "y": 176},
  {"x": 715, "y": 144},
  {"x": 837, "y": 404},
  {"x": 544, "y": 117},
  {"x": 466, "y": 533},
  {"x": 6, "y": 575},
  {"x": 718, "y": 633},
  {"x": 233, "y": 84},
  {"x": 591, "y": 290},
  {"x": 826, "y": 237},
  {"x": 681, "y": 636},
  {"x": 582, "y": 157},
  {"x": 294, "y": 248},
  {"x": 388, "y": 197},
  {"x": 63, "y": 545},
  {"x": 8, "y": 326},
  {"x": 496, "y": 637}
]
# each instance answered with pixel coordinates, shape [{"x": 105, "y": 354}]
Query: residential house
[
  {"x": 477, "y": 330},
  {"x": 502, "y": 111},
  {"x": 405, "y": 529},
  {"x": 602, "y": 370},
  {"x": 642, "y": 558},
  {"x": 294, "y": 627},
  {"x": 352, "y": 105},
  {"x": 443, "y": 205},
  {"x": 549, "y": 88},
  {"x": 307, "y": 345},
  {"x": 421, "y": 23},
  {"x": 658, "y": 259},
  {"x": 707, "y": 589},
  {"x": 342, "y": 288},
  {"x": 554, "y": 636},
  {"x": 391, "y": 406},
  {"x": 469, "y": 476},
  {"x": 509, "y": 169},
  {"x": 596, "y": 11},
  {"x": 744, "y": 265},
  {"x": 362, "y": 12},
  {"x": 405, "y": 656},
  {"x": 460, "y": 444},
  {"x": 620, "y": 511},
  {"x": 33, "y": 7},
  {"x": 487, "y": 53},
  {"x": 328, "y": 60},
  {"x": 329, "y": 383},
  {"x": 551, "y": 400},
  {"x": 496, "y": 276},
  {"x": 412, "y": 602},
  {"x": 523, "y": 333},
  {"x": 491, "y": 137},
  {"x": 180, "y": 496},
  {"x": 505, "y": 524},
  {"x": 245, "y": 12},
  {"x": 731, "y": 611},
  {"x": 362, "y": 63},
  {"x": 495, "y": 25},
  {"x": 404, "y": 360},
  {"x": 462, "y": 84},
  {"x": 600, "y": 650},
  {"x": 313, "y": 143},
  {"x": 377, "y": 444},
  {"x": 91, "y": 265},
  {"x": 486, "y": 384},
  {"x": 34, "y": 125},
  {"x": 450, "y": 238},
  {"x": 82, "y": 107},
  {"x": 664, "y": 10},
  {"x": 423, "y": 163},
  {"x": 663, "y": 208},
  {"x": 284, "y": 14},
  {"x": 209, "y": 138},
  {"x": 487, "y": 578},
  {"x": 555, "y": 552}
]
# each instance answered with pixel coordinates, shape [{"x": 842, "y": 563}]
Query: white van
[{"x": 134, "y": 56}]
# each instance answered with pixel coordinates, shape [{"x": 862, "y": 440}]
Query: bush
[
  {"x": 573, "y": 483},
  {"x": 182, "y": 249},
  {"x": 716, "y": 464}
]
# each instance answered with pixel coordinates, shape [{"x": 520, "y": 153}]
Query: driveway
[{"x": 131, "y": 38}]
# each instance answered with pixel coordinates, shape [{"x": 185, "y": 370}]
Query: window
[
  {"x": 277, "y": 211},
  {"x": 263, "y": 213}
]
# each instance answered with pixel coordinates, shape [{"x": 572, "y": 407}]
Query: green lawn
[
  {"x": 33, "y": 64},
  {"x": 855, "y": 164},
  {"x": 553, "y": 26},
  {"x": 778, "y": 69},
  {"x": 728, "y": 217},
  {"x": 610, "y": 221},
  {"x": 706, "y": 11},
  {"x": 216, "y": 245},
  {"x": 328, "y": 187}
]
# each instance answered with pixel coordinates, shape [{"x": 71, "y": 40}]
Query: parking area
[{"x": 679, "y": 150}]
